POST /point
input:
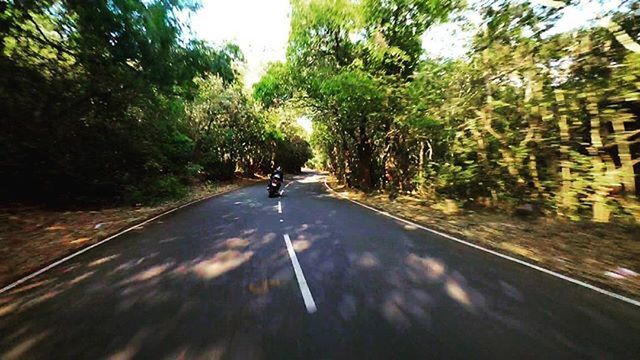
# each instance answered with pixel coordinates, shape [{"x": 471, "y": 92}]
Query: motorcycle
[{"x": 274, "y": 185}]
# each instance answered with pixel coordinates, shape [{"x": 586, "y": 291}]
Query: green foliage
[
  {"x": 274, "y": 88},
  {"x": 286, "y": 138},
  {"x": 523, "y": 117},
  {"x": 104, "y": 101},
  {"x": 394, "y": 29},
  {"x": 160, "y": 188},
  {"x": 352, "y": 61},
  {"x": 292, "y": 154}
]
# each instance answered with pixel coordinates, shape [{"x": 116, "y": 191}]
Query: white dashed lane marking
[{"x": 302, "y": 282}]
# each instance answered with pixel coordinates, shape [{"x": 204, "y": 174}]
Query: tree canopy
[
  {"x": 526, "y": 116},
  {"x": 106, "y": 100},
  {"x": 110, "y": 100}
]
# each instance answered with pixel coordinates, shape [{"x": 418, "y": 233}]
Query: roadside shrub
[{"x": 163, "y": 188}]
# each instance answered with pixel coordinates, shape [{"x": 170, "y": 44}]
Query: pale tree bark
[
  {"x": 567, "y": 202},
  {"x": 533, "y": 103},
  {"x": 421, "y": 174},
  {"x": 486, "y": 116},
  {"x": 622, "y": 136},
  {"x": 603, "y": 174}
]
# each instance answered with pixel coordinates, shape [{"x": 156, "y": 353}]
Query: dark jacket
[{"x": 276, "y": 172}]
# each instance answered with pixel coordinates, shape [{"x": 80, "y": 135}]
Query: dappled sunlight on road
[
  {"x": 368, "y": 260},
  {"x": 144, "y": 280},
  {"x": 268, "y": 238},
  {"x": 420, "y": 285},
  {"x": 103, "y": 260},
  {"x": 379, "y": 280},
  {"x": 123, "y": 267},
  {"x": 79, "y": 278},
  {"x": 21, "y": 299},
  {"x": 149, "y": 273},
  {"x": 133, "y": 263},
  {"x": 234, "y": 243},
  {"x": 7, "y": 308},
  {"x": 169, "y": 239},
  {"x": 262, "y": 287},
  {"x": 191, "y": 300},
  {"x": 402, "y": 307},
  {"x": 405, "y": 288},
  {"x": 248, "y": 232},
  {"x": 459, "y": 290},
  {"x": 221, "y": 263},
  {"x": 457, "y": 293},
  {"x": 392, "y": 312},
  {"x": 191, "y": 296},
  {"x": 19, "y": 350},
  {"x": 31, "y": 286},
  {"x": 69, "y": 268},
  {"x": 311, "y": 179},
  {"x": 301, "y": 245},
  {"x": 432, "y": 269},
  {"x": 41, "y": 298}
]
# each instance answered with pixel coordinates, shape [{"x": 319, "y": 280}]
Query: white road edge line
[
  {"x": 83, "y": 250},
  {"x": 302, "y": 282},
  {"x": 279, "y": 207},
  {"x": 521, "y": 262}
]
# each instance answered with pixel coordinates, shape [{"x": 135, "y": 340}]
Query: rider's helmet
[{"x": 279, "y": 168}]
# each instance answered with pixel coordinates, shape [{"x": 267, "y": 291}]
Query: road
[{"x": 217, "y": 280}]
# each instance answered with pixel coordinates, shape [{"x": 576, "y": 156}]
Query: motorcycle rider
[{"x": 278, "y": 171}]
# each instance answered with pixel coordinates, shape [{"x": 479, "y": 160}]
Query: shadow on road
[{"x": 214, "y": 281}]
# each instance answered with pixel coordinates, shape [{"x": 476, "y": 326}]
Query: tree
[
  {"x": 525, "y": 117},
  {"x": 98, "y": 99}
]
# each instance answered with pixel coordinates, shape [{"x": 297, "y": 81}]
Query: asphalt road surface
[{"x": 241, "y": 277}]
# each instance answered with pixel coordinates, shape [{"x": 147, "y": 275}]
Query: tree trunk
[
  {"x": 365, "y": 158},
  {"x": 567, "y": 201},
  {"x": 627, "y": 173}
]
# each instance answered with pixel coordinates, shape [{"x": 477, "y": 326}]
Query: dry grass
[{"x": 606, "y": 255}]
